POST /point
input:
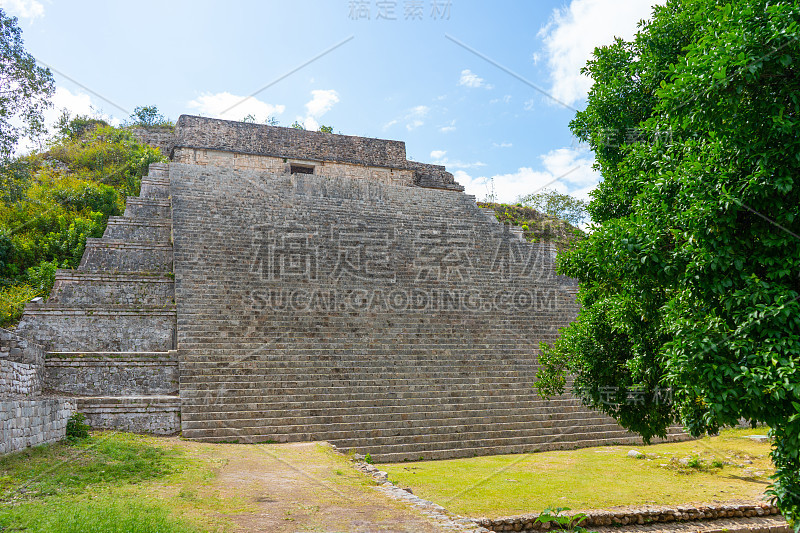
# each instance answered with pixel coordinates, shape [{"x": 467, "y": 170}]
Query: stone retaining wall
[
  {"x": 128, "y": 374},
  {"x": 25, "y": 423},
  {"x": 21, "y": 366},
  {"x": 649, "y": 515},
  {"x": 26, "y": 419},
  {"x": 123, "y": 330},
  {"x": 156, "y": 415},
  {"x": 86, "y": 289}
]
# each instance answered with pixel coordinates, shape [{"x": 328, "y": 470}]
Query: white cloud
[
  {"x": 414, "y": 117},
  {"x": 24, "y": 9},
  {"x": 470, "y": 79},
  {"x": 233, "y": 107},
  {"x": 568, "y": 170},
  {"x": 438, "y": 154},
  {"x": 574, "y": 31},
  {"x": 447, "y": 128},
  {"x": 502, "y": 145},
  {"x": 322, "y": 100},
  {"x": 529, "y": 104}
]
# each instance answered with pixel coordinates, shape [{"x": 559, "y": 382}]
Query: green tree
[
  {"x": 556, "y": 204},
  {"x": 326, "y": 129},
  {"x": 148, "y": 116},
  {"x": 25, "y": 89},
  {"x": 691, "y": 279}
]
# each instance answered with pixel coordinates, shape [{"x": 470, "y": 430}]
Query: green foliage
[
  {"x": 88, "y": 462},
  {"x": 77, "y": 428},
  {"x": 558, "y": 205},
  {"x": 84, "y": 486},
  {"x": 368, "y": 458},
  {"x": 272, "y": 121},
  {"x": 26, "y": 89},
  {"x": 251, "y": 119},
  {"x": 326, "y": 129},
  {"x": 12, "y": 302},
  {"x": 690, "y": 280},
  {"x": 52, "y": 202},
  {"x": 148, "y": 116},
  {"x": 560, "y": 521},
  {"x": 78, "y": 126},
  {"x": 298, "y": 125},
  {"x": 536, "y": 226},
  {"x": 42, "y": 276},
  {"x": 96, "y": 515}
]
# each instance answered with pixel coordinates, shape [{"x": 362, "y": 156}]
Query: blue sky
[{"x": 485, "y": 88}]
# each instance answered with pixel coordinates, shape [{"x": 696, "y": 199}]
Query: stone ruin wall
[
  {"x": 26, "y": 418},
  {"x": 282, "y": 165},
  {"x": 244, "y": 146},
  {"x": 157, "y": 137}
]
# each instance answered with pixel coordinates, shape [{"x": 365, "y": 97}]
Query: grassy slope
[
  {"x": 593, "y": 478},
  {"x": 110, "y": 483}
]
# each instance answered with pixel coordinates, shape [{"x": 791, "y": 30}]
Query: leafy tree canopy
[
  {"x": 25, "y": 89},
  {"x": 149, "y": 116},
  {"x": 556, "y": 204},
  {"x": 691, "y": 277}
]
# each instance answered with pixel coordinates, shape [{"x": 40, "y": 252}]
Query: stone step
[
  {"x": 147, "y": 208},
  {"x": 112, "y": 373},
  {"x": 326, "y": 390},
  {"x": 418, "y": 443},
  {"x": 153, "y": 414},
  {"x": 121, "y": 256},
  {"x": 135, "y": 229},
  {"x": 411, "y": 438},
  {"x": 389, "y": 379},
  {"x": 265, "y": 405},
  {"x": 154, "y": 188},
  {"x": 391, "y": 423},
  {"x": 83, "y": 288},
  {"x": 158, "y": 169},
  {"x": 66, "y": 329}
]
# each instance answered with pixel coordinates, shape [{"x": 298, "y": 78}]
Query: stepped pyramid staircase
[
  {"x": 400, "y": 384},
  {"x": 109, "y": 326},
  {"x": 231, "y": 363}
]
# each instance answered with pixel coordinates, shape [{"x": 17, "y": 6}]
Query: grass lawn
[
  {"x": 728, "y": 467},
  {"x": 109, "y": 483}
]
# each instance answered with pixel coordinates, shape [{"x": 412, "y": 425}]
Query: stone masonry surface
[
  {"x": 157, "y": 137},
  {"x": 396, "y": 320},
  {"x": 365, "y": 301},
  {"x": 109, "y": 326},
  {"x": 31, "y": 422},
  {"x": 26, "y": 419},
  {"x": 200, "y": 140},
  {"x": 21, "y": 366}
]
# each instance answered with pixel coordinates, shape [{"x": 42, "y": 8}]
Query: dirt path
[{"x": 304, "y": 487}]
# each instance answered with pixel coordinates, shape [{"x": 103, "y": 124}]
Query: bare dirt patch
[{"x": 301, "y": 487}]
